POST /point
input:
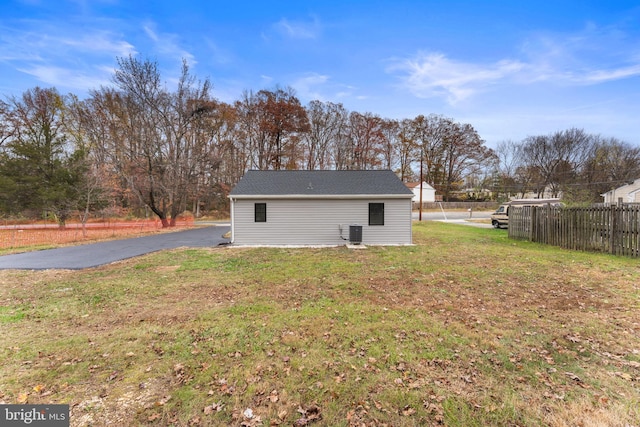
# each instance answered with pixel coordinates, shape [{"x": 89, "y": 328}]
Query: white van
[{"x": 500, "y": 218}]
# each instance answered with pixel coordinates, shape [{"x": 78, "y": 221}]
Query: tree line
[
  {"x": 138, "y": 146},
  {"x": 571, "y": 164}
]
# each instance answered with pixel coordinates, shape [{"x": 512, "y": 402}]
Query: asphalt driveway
[{"x": 96, "y": 254}]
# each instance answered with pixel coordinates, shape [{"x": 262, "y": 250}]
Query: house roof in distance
[{"x": 320, "y": 183}]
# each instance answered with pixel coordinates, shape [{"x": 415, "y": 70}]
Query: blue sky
[{"x": 509, "y": 68}]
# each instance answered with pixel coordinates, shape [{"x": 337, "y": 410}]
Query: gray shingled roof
[{"x": 320, "y": 183}]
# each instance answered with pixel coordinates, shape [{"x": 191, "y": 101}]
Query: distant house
[
  {"x": 428, "y": 192},
  {"x": 629, "y": 193},
  {"x": 320, "y": 208},
  {"x": 546, "y": 193}
]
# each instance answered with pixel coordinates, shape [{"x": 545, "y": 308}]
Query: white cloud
[
  {"x": 298, "y": 29},
  {"x": 433, "y": 74},
  {"x": 601, "y": 76},
  {"x": 217, "y": 53},
  {"x": 100, "y": 41},
  {"x": 589, "y": 57},
  {"x": 68, "y": 77},
  {"x": 314, "y": 86},
  {"x": 39, "y": 40},
  {"x": 56, "y": 55},
  {"x": 168, "y": 44},
  {"x": 307, "y": 86},
  {"x": 150, "y": 32}
]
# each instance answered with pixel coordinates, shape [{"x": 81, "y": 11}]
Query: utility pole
[{"x": 421, "y": 179}]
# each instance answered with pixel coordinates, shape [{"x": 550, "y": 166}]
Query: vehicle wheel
[{"x": 495, "y": 224}]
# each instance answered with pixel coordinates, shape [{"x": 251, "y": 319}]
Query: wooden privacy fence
[{"x": 611, "y": 229}]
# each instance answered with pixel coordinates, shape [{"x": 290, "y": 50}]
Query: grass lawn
[{"x": 466, "y": 328}]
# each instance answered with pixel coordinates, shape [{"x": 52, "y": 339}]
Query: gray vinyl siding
[{"x": 318, "y": 221}]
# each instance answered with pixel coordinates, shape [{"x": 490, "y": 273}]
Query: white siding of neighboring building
[
  {"x": 628, "y": 193},
  {"x": 318, "y": 222},
  {"x": 428, "y": 193}
]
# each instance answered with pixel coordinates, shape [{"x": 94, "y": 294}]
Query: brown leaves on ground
[
  {"x": 560, "y": 338},
  {"x": 309, "y": 414}
]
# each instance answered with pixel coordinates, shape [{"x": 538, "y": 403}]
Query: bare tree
[
  {"x": 448, "y": 152},
  {"x": 389, "y": 152},
  {"x": 506, "y": 167},
  {"x": 328, "y": 123},
  {"x": 283, "y": 120},
  {"x": 153, "y": 145},
  {"x": 5, "y": 132},
  {"x": 406, "y": 147},
  {"x": 430, "y": 134},
  {"x": 557, "y": 157},
  {"x": 465, "y": 154},
  {"x": 612, "y": 163},
  {"x": 367, "y": 141},
  {"x": 251, "y": 138}
]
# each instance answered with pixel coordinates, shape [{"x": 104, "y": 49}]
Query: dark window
[
  {"x": 260, "y": 212},
  {"x": 376, "y": 213}
]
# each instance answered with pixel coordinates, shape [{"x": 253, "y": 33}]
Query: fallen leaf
[
  {"x": 162, "y": 401},
  {"x": 252, "y": 422},
  {"x": 573, "y": 338},
  {"x": 624, "y": 376},
  {"x": 313, "y": 413},
  {"x": 309, "y": 414},
  {"x": 23, "y": 398},
  {"x": 214, "y": 407},
  {"x": 573, "y": 376},
  {"x": 408, "y": 411}
]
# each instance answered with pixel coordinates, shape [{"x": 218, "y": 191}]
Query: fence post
[
  {"x": 532, "y": 225},
  {"x": 613, "y": 225}
]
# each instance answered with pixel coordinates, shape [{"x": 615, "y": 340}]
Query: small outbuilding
[
  {"x": 428, "y": 192},
  {"x": 298, "y": 207}
]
